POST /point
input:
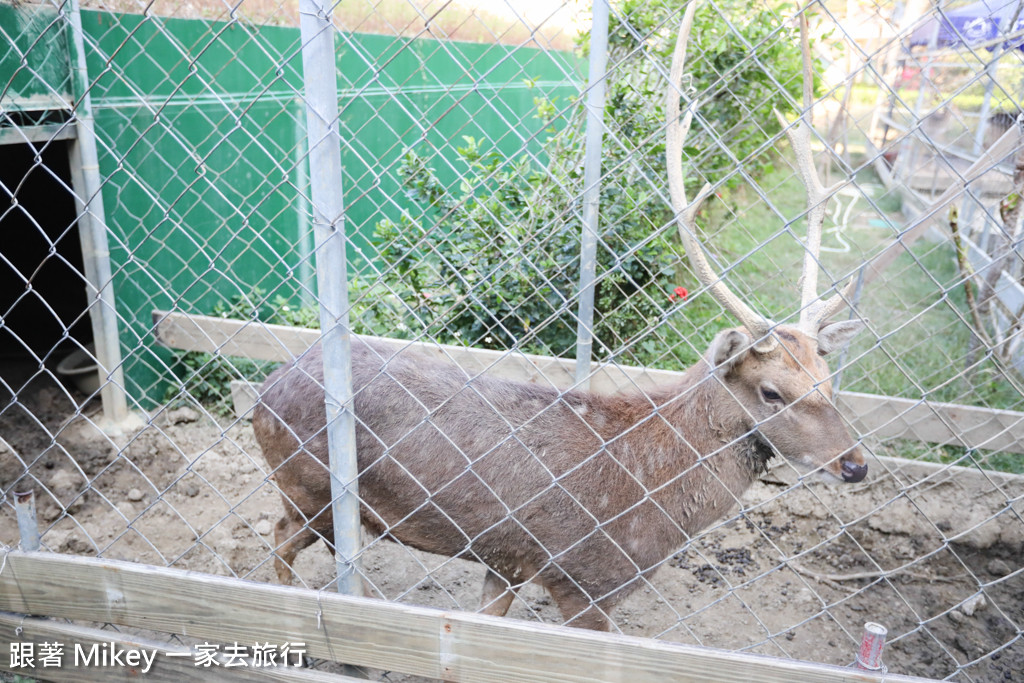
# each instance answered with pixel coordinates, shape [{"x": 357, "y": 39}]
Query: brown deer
[{"x": 586, "y": 494}]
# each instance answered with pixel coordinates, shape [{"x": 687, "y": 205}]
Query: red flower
[{"x": 678, "y": 293}]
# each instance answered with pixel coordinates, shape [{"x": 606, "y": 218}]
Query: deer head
[{"x": 775, "y": 372}]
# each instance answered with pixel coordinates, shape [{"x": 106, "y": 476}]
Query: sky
[{"x": 558, "y": 12}]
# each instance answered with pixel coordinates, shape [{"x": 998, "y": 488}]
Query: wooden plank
[
  {"x": 969, "y": 480},
  {"x": 281, "y": 343},
  {"x": 161, "y": 663},
  {"x": 1009, "y": 291},
  {"x": 933, "y": 422},
  {"x": 244, "y": 396},
  {"x": 373, "y": 633},
  {"x": 489, "y": 651},
  {"x": 44, "y": 133},
  {"x": 353, "y": 631},
  {"x": 227, "y": 337}
]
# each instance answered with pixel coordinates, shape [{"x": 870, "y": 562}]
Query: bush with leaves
[
  {"x": 495, "y": 261},
  {"x": 500, "y": 263},
  {"x": 742, "y": 62}
]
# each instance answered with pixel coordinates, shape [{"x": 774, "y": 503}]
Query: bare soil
[{"x": 796, "y": 574}]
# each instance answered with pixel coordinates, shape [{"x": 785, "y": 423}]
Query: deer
[{"x": 587, "y": 494}]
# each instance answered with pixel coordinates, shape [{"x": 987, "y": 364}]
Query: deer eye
[{"x": 770, "y": 395}]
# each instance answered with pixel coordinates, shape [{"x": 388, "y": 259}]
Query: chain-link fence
[{"x": 540, "y": 433}]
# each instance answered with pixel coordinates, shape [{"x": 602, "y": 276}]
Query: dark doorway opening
[{"x": 42, "y": 285}]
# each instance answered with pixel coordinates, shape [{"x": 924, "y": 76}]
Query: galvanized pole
[
  {"x": 321, "y": 86},
  {"x": 591, "y": 189},
  {"x": 28, "y": 528},
  {"x": 303, "y": 236},
  {"x": 92, "y": 232}
]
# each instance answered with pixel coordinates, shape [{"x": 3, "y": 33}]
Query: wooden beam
[
  {"x": 881, "y": 416},
  {"x": 229, "y": 337},
  {"x": 453, "y": 646},
  {"x": 220, "y": 609},
  {"x": 170, "y": 664},
  {"x": 886, "y": 417},
  {"x": 49, "y": 132},
  {"x": 281, "y": 343}
]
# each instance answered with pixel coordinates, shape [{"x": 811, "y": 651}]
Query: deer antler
[
  {"x": 813, "y": 311},
  {"x": 686, "y": 212}
]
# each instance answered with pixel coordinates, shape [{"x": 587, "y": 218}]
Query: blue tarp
[{"x": 979, "y": 22}]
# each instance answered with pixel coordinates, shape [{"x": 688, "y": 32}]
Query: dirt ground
[{"x": 795, "y": 575}]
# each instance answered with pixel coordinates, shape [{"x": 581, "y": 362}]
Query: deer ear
[
  {"x": 832, "y": 336},
  {"x": 729, "y": 349}
]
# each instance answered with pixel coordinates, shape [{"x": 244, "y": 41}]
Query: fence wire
[{"x": 488, "y": 480}]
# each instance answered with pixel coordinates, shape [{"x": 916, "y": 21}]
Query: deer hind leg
[
  {"x": 294, "y": 534},
  {"x": 577, "y": 608},
  {"x": 498, "y": 594},
  {"x": 590, "y": 617}
]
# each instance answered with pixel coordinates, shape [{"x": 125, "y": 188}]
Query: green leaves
[{"x": 500, "y": 263}]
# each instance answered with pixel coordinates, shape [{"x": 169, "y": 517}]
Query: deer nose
[{"x": 852, "y": 472}]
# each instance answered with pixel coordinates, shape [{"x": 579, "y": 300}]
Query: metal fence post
[
  {"x": 28, "y": 527},
  {"x": 92, "y": 231},
  {"x": 321, "y": 87},
  {"x": 591, "y": 188},
  {"x": 303, "y": 235}
]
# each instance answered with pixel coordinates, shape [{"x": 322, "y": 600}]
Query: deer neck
[
  {"x": 724, "y": 435},
  {"x": 707, "y": 456}
]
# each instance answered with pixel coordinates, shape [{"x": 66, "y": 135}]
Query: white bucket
[{"x": 81, "y": 368}]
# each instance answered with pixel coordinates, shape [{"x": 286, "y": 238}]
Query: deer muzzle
[{"x": 852, "y": 472}]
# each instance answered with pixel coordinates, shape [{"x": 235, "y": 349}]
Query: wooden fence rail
[{"x": 451, "y": 646}]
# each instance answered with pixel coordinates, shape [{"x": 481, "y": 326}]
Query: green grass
[
  {"x": 916, "y": 311},
  {"x": 862, "y": 95},
  {"x": 962, "y": 87},
  {"x": 970, "y": 99}
]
